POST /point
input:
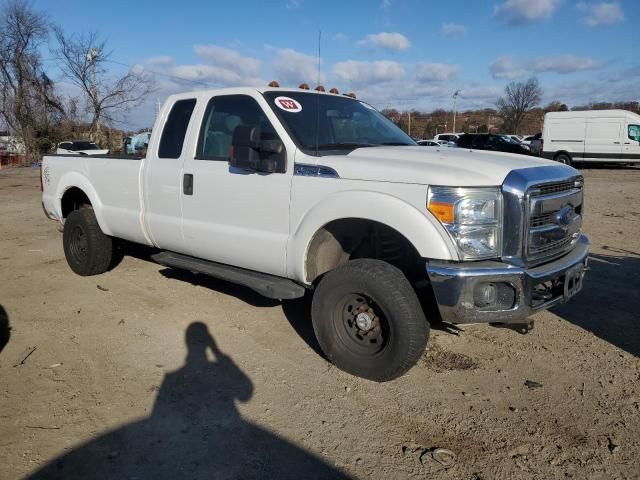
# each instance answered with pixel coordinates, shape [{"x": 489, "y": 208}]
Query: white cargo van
[{"x": 592, "y": 136}]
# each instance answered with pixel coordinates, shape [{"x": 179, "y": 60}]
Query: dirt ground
[{"x": 145, "y": 372}]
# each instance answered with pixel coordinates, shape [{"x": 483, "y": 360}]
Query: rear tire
[
  {"x": 564, "y": 158},
  {"x": 88, "y": 251},
  {"x": 368, "y": 320}
]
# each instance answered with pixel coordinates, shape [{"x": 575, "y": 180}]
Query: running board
[{"x": 266, "y": 285}]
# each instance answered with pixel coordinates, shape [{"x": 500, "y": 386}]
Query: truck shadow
[
  {"x": 5, "y": 329},
  {"x": 609, "y": 303},
  {"x": 194, "y": 431},
  {"x": 297, "y": 312}
]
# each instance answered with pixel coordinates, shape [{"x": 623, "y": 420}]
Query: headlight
[{"x": 472, "y": 216}]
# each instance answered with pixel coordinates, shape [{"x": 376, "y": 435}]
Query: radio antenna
[{"x": 318, "y": 105}]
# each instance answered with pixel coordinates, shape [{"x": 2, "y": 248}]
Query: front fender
[
  {"x": 424, "y": 232},
  {"x": 77, "y": 180}
]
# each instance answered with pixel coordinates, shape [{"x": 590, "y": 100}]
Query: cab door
[
  {"x": 163, "y": 177},
  {"x": 233, "y": 216}
]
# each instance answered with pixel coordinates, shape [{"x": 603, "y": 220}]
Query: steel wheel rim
[
  {"x": 78, "y": 244},
  {"x": 360, "y": 325}
]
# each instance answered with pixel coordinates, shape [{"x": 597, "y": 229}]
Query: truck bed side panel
[{"x": 112, "y": 185}]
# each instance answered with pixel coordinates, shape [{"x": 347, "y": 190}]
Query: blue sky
[{"x": 393, "y": 53}]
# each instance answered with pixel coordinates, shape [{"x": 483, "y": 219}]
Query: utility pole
[
  {"x": 91, "y": 58},
  {"x": 455, "y": 98},
  {"x": 409, "y": 122}
]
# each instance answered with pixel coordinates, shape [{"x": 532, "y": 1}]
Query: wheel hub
[
  {"x": 364, "y": 321},
  {"x": 364, "y": 329}
]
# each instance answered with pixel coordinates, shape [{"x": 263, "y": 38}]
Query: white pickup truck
[{"x": 294, "y": 191}]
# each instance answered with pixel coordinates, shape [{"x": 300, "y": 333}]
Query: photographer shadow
[
  {"x": 609, "y": 303},
  {"x": 5, "y": 329},
  {"x": 194, "y": 431}
]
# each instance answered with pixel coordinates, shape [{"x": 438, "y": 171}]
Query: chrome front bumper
[{"x": 455, "y": 286}]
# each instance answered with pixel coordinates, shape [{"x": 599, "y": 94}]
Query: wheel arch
[
  {"x": 74, "y": 190},
  {"x": 420, "y": 230},
  {"x": 562, "y": 152}
]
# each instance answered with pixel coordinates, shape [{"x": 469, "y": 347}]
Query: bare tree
[
  {"x": 519, "y": 98},
  {"x": 84, "y": 61},
  {"x": 29, "y": 105}
]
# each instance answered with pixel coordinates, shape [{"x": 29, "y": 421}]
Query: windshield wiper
[
  {"x": 400, "y": 144},
  {"x": 338, "y": 146}
]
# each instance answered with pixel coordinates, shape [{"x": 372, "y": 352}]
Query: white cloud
[
  {"x": 218, "y": 67},
  {"x": 509, "y": 68},
  {"x": 291, "y": 4},
  {"x": 392, "y": 41},
  {"x": 454, "y": 30},
  {"x": 436, "y": 72},
  {"x": 368, "y": 73},
  {"x": 603, "y": 13},
  {"x": 340, "y": 37},
  {"x": 291, "y": 67},
  {"x": 386, "y": 4},
  {"x": 518, "y": 12},
  {"x": 228, "y": 59}
]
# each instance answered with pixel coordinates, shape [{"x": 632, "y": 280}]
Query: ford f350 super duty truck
[{"x": 289, "y": 191}]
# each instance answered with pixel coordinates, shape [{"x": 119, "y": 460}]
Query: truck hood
[{"x": 429, "y": 165}]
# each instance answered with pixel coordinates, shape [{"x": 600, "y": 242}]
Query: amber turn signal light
[{"x": 445, "y": 212}]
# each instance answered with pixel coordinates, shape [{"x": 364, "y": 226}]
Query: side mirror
[
  {"x": 244, "y": 148},
  {"x": 250, "y": 153}
]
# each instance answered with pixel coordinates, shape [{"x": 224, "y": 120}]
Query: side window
[
  {"x": 634, "y": 132},
  {"x": 222, "y": 116},
  {"x": 176, "y": 128}
]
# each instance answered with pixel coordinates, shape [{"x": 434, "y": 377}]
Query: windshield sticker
[{"x": 288, "y": 104}]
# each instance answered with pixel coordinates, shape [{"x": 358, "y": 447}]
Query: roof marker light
[
  {"x": 320, "y": 88},
  {"x": 334, "y": 90},
  {"x": 303, "y": 86},
  {"x": 274, "y": 84}
]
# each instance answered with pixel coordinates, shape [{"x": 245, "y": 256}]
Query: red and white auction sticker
[{"x": 288, "y": 104}]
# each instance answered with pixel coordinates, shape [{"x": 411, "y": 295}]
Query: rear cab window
[
  {"x": 175, "y": 129},
  {"x": 633, "y": 132}
]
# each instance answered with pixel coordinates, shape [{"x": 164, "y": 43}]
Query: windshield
[
  {"x": 509, "y": 139},
  {"x": 333, "y": 122}
]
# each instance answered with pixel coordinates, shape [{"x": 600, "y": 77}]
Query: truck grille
[{"x": 554, "y": 219}]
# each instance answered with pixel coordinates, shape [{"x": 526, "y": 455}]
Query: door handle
[
  {"x": 616, "y": 143},
  {"x": 627, "y": 143},
  {"x": 187, "y": 184}
]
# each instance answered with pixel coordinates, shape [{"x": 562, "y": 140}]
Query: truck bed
[{"x": 113, "y": 184}]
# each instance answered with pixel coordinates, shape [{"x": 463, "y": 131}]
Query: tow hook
[{"x": 521, "y": 328}]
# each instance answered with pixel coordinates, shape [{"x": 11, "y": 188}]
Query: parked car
[
  {"x": 294, "y": 192},
  {"x": 428, "y": 143},
  {"x": 80, "y": 147},
  {"x": 592, "y": 136},
  {"x": 526, "y": 140},
  {"x": 445, "y": 143},
  {"x": 516, "y": 139},
  {"x": 490, "y": 141},
  {"x": 447, "y": 137}
]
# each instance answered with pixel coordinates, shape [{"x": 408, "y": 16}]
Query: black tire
[
  {"x": 564, "y": 158},
  {"x": 396, "y": 330},
  {"x": 87, "y": 249}
]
